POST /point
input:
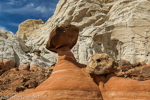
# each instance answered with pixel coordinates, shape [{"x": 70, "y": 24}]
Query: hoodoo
[{"x": 67, "y": 80}]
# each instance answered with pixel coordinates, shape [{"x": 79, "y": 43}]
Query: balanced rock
[
  {"x": 101, "y": 64},
  {"x": 67, "y": 80},
  {"x": 63, "y": 36}
]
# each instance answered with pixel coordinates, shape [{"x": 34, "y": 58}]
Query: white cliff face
[
  {"x": 12, "y": 50},
  {"x": 120, "y": 28}
]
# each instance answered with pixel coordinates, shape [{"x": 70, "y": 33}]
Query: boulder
[
  {"x": 101, "y": 64},
  {"x": 63, "y": 36}
]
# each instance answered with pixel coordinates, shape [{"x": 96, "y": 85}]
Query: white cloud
[
  {"x": 41, "y": 9},
  {"x": 4, "y": 28},
  {"x": 11, "y": 2},
  {"x": 30, "y": 5},
  {"x": 29, "y": 9},
  {"x": 13, "y": 24}
]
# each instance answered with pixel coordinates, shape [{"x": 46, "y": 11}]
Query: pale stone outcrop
[
  {"x": 38, "y": 61},
  {"x": 12, "y": 50},
  {"x": 27, "y": 28},
  {"x": 119, "y": 28}
]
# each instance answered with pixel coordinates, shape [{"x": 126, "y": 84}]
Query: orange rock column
[{"x": 67, "y": 81}]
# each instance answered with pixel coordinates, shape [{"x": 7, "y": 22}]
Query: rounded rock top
[{"x": 62, "y": 36}]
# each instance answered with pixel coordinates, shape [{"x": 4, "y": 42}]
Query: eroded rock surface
[
  {"x": 101, "y": 64},
  {"x": 67, "y": 80},
  {"x": 27, "y": 28},
  {"x": 117, "y": 88},
  {"x": 12, "y": 50},
  {"x": 119, "y": 28},
  {"x": 63, "y": 36},
  {"x": 136, "y": 71}
]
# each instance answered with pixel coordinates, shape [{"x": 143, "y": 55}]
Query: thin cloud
[
  {"x": 41, "y": 9},
  {"x": 11, "y": 2},
  {"x": 13, "y": 24},
  {"x": 2, "y": 27},
  {"x": 30, "y": 9}
]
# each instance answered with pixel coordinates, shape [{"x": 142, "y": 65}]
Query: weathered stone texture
[
  {"x": 119, "y": 28},
  {"x": 27, "y": 28},
  {"x": 12, "y": 50}
]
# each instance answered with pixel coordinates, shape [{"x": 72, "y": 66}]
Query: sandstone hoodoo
[{"x": 67, "y": 80}]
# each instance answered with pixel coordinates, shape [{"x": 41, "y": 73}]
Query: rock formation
[
  {"x": 125, "y": 65},
  {"x": 138, "y": 71},
  {"x": 101, "y": 64},
  {"x": 67, "y": 80},
  {"x": 118, "y": 88},
  {"x": 119, "y": 28},
  {"x": 60, "y": 36},
  {"x": 12, "y": 50},
  {"x": 27, "y": 28}
]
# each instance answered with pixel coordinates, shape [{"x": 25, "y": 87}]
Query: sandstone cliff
[
  {"x": 27, "y": 28},
  {"x": 119, "y": 28}
]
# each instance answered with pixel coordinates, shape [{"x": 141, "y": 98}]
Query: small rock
[
  {"x": 31, "y": 84},
  {"x": 136, "y": 65},
  {"x": 2, "y": 71},
  {"x": 20, "y": 88},
  {"x": 24, "y": 66},
  {"x": 145, "y": 71},
  {"x": 125, "y": 65},
  {"x": 143, "y": 63}
]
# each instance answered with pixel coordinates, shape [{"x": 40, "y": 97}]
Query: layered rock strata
[
  {"x": 67, "y": 80},
  {"x": 119, "y": 28},
  {"x": 113, "y": 87},
  {"x": 117, "y": 88},
  {"x": 12, "y": 50}
]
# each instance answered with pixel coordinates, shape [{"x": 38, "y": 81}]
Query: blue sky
[{"x": 14, "y": 12}]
